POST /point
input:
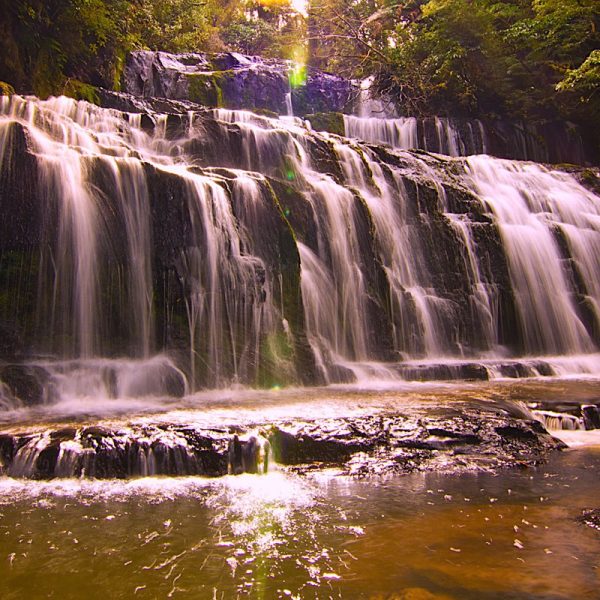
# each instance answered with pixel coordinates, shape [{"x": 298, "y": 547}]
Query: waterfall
[
  {"x": 398, "y": 133},
  {"x": 419, "y": 308},
  {"x": 440, "y": 135},
  {"x": 95, "y": 166},
  {"x": 529, "y": 204},
  {"x": 160, "y": 253}
]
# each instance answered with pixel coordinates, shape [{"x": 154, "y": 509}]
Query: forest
[{"x": 526, "y": 59}]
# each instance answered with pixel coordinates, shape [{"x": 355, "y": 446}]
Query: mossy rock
[
  {"x": 205, "y": 89},
  {"x": 6, "y": 89},
  {"x": 265, "y": 112},
  {"x": 332, "y": 122},
  {"x": 590, "y": 178},
  {"x": 79, "y": 90}
]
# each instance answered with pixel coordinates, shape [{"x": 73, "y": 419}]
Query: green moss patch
[{"x": 332, "y": 122}]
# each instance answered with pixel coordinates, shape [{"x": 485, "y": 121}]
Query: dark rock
[
  {"x": 591, "y": 518},
  {"x": 7, "y": 450},
  {"x": 45, "y": 465},
  {"x": 26, "y": 382},
  {"x": 11, "y": 344},
  {"x": 515, "y": 370},
  {"x": 331, "y": 122},
  {"x": 467, "y": 441},
  {"x": 471, "y": 437},
  {"x": 301, "y": 447},
  {"x": 591, "y": 416},
  {"x": 232, "y": 80}
]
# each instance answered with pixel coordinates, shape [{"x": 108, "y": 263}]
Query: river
[{"x": 507, "y": 534}]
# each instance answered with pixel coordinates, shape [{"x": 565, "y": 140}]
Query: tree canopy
[
  {"x": 45, "y": 45},
  {"x": 526, "y": 58}
]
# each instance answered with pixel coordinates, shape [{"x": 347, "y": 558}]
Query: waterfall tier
[
  {"x": 234, "y": 81},
  {"x": 541, "y": 142},
  {"x": 233, "y": 248}
]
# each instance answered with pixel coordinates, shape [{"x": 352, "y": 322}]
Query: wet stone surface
[
  {"x": 465, "y": 439},
  {"x": 591, "y": 518}
]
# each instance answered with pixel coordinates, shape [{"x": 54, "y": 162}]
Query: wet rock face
[
  {"x": 568, "y": 414},
  {"x": 591, "y": 518},
  {"x": 26, "y": 383},
  {"x": 465, "y": 438},
  {"x": 394, "y": 443},
  {"x": 105, "y": 453},
  {"x": 232, "y": 80}
]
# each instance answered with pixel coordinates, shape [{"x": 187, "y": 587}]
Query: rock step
[{"x": 457, "y": 439}]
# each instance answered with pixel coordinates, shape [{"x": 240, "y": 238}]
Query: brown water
[{"x": 421, "y": 536}]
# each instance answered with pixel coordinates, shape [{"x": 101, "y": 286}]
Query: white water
[
  {"x": 408, "y": 133},
  {"x": 528, "y": 202},
  {"x": 229, "y": 304},
  {"x": 362, "y": 229}
]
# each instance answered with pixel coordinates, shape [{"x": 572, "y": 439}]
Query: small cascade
[
  {"x": 399, "y": 133},
  {"x": 548, "y": 142},
  {"x": 369, "y": 105},
  {"x": 229, "y": 304},
  {"x": 137, "y": 450},
  {"x": 289, "y": 109},
  {"x": 99, "y": 379},
  {"x": 584, "y": 417},
  {"x": 98, "y": 452},
  {"x": 418, "y": 311},
  {"x": 437, "y": 134},
  {"x": 249, "y": 455},
  {"x": 555, "y": 421}
]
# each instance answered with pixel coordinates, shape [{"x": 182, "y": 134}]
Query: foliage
[
  {"x": 80, "y": 91},
  {"x": 522, "y": 58},
  {"x": 6, "y": 89},
  {"x": 585, "y": 79},
  {"x": 42, "y": 43},
  {"x": 271, "y": 29}
]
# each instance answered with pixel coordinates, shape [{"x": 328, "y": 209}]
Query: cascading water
[
  {"x": 94, "y": 165},
  {"x": 438, "y": 135},
  {"x": 534, "y": 209},
  {"x": 236, "y": 248},
  {"x": 419, "y": 309}
]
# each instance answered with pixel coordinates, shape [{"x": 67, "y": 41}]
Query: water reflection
[{"x": 513, "y": 535}]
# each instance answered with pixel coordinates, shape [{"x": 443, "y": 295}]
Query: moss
[
  {"x": 200, "y": 89},
  {"x": 118, "y": 68},
  {"x": 333, "y": 122},
  {"x": 81, "y": 91},
  {"x": 207, "y": 88},
  {"x": 276, "y": 367},
  {"x": 19, "y": 294},
  {"x": 590, "y": 178},
  {"x": 265, "y": 112},
  {"x": 6, "y": 89}
]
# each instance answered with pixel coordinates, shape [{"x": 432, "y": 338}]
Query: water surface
[{"x": 513, "y": 534}]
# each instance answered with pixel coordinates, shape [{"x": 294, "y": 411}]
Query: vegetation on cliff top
[
  {"x": 532, "y": 59},
  {"x": 535, "y": 59}
]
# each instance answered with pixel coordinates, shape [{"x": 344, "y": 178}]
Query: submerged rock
[{"x": 591, "y": 518}]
